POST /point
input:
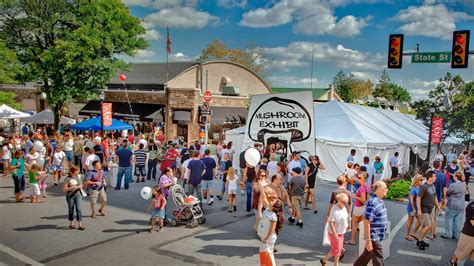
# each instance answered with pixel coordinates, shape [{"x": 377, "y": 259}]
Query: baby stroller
[{"x": 189, "y": 211}]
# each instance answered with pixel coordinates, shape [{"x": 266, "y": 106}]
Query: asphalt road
[{"x": 39, "y": 234}]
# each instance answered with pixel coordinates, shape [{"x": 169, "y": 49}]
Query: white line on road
[
  {"x": 417, "y": 254},
  {"x": 397, "y": 227},
  {"x": 18, "y": 255}
]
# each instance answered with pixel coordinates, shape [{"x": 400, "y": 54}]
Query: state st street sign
[{"x": 438, "y": 57}]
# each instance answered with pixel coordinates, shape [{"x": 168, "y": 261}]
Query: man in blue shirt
[
  {"x": 208, "y": 177},
  {"x": 440, "y": 185},
  {"x": 375, "y": 225},
  {"x": 125, "y": 167},
  {"x": 350, "y": 158},
  {"x": 196, "y": 170}
]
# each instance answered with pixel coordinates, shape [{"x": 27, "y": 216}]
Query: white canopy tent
[
  {"x": 47, "y": 117},
  {"x": 6, "y": 112},
  {"x": 340, "y": 127},
  {"x": 235, "y": 135}
]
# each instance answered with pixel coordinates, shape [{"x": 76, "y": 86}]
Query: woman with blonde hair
[
  {"x": 455, "y": 207},
  {"x": 360, "y": 203},
  {"x": 412, "y": 208}
]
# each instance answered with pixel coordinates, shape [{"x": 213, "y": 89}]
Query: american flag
[{"x": 168, "y": 42}]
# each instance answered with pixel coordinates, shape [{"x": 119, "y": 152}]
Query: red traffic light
[
  {"x": 459, "y": 39},
  {"x": 394, "y": 42},
  {"x": 395, "y": 51}
]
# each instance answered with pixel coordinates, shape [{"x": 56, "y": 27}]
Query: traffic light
[
  {"x": 395, "y": 51},
  {"x": 460, "y": 51}
]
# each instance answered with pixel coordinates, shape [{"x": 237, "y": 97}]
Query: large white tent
[
  {"x": 6, "y": 112},
  {"x": 340, "y": 127},
  {"x": 47, "y": 117}
]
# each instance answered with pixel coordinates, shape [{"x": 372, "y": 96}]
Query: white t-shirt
[
  {"x": 69, "y": 145},
  {"x": 272, "y": 168},
  {"x": 394, "y": 161},
  {"x": 439, "y": 157},
  {"x": 233, "y": 184},
  {"x": 6, "y": 155},
  {"x": 186, "y": 170},
  {"x": 223, "y": 151},
  {"x": 268, "y": 217},
  {"x": 31, "y": 159},
  {"x": 340, "y": 217},
  {"x": 58, "y": 157},
  {"x": 91, "y": 158},
  {"x": 293, "y": 164},
  {"x": 370, "y": 172}
]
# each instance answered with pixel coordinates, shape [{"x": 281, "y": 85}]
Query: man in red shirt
[{"x": 169, "y": 159}]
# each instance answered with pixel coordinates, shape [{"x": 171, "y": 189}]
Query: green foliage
[
  {"x": 398, "y": 189},
  {"x": 453, "y": 100},
  {"x": 348, "y": 87},
  {"x": 391, "y": 91},
  {"x": 70, "y": 45},
  {"x": 8, "y": 98},
  {"x": 9, "y": 66}
]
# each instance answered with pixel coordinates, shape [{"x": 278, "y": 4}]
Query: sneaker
[
  {"x": 235, "y": 208},
  {"x": 219, "y": 197},
  {"x": 291, "y": 220},
  {"x": 204, "y": 201},
  {"x": 210, "y": 201},
  {"x": 299, "y": 224},
  {"x": 421, "y": 247},
  {"x": 422, "y": 244}
]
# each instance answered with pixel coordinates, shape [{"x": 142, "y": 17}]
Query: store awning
[
  {"x": 121, "y": 110},
  {"x": 228, "y": 115},
  {"x": 182, "y": 116}
]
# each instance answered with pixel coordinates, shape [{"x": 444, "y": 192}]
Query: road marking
[
  {"x": 398, "y": 227},
  {"x": 417, "y": 254},
  {"x": 18, "y": 255}
]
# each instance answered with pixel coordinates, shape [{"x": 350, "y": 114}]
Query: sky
[{"x": 348, "y": 35}]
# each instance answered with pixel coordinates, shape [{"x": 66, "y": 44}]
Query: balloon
[
  {"x": 144, "y": 142},
  {"x": 41, "y": 161},
  {"x": 73, "y": 182},
  {"x": 122, "y": 77},
  {"x": 38, "y": 145},
  {"x": 252, "y": 156},
  {"x": 145, "y": 193}
]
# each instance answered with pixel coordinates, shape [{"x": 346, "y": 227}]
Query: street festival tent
[
  {"x": 47, "y": 117},
  {"x": 6, "y": 112},
  {"x": 340, "y": 127},
  {"x": 94, "y": 124}
]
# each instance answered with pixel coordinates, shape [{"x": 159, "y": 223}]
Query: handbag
[
  {"x": 326, "y": 241},
  {"x": 82, "y": 193}
]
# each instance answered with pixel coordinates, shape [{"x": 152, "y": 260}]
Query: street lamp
[
  {"x": 432, "y": 112},
  {"x": 102, "y": 97}
]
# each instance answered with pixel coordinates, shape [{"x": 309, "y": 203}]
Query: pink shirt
[{"x": 364, "y": 188}]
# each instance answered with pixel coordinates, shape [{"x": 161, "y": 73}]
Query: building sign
[
  {"x": 436, "y": 130},
  {"x": 284, "y": 120},
  {"x": 107, "y": 114}
]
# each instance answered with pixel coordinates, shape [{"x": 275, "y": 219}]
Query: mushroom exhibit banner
[{"x": 282, "y": 122}]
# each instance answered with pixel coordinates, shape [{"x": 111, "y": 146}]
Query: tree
[
  {"x": 8, "y": 98},
  {"x": 348, "y": 87},
  {"x": 399, "y": 93},
  {"x": 362, "y": 88},
  {"x": 252, "y": 57},
  {"x": 9, "y": 66},
  {"x": 383, "y": 88},
  {"x": 453, "y": 100},
  {"x": 70, "y": 45}
]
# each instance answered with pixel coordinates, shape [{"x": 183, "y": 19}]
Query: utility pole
[
  {"x": 312, "y": 60},
  {"x": 206, "y": 125}
]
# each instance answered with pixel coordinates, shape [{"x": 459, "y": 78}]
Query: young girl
[
  {"x": 268, "y": 227},
  {"x": 157, "y": 208},
  {"x": 351, "y": 175},
  {"x": 42, "y": 180},
  {"x": 18, "y": 169},
  {"x": 411, "y": 208},
  {"x": 231, "y": 184},
  {"x": 34, "y": 187}
]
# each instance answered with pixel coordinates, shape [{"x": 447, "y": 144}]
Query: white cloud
[
  {"x": 152, "y": 35},
  {"x": 158, "y": 4},
  {"x": 181, "y": 57},
  {"x": 298, "y": 54},
  {"x": 232, "y": 3},
  {"x": 180, "y": 17},
  {"x": 418, "y": 88},
  {"x": 430, "y": 20},
  {"x": 295, "y": 82},
  {"x": 144, "y": 53},
  {"x": 365, "y": 75},
  {"x": 310, "y": 17}
]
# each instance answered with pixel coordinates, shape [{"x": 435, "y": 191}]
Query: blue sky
[{"x": 351, "y": 35}]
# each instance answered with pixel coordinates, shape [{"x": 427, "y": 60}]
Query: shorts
[
  {"x": 34, "y": 190},
  {"x": 411, "y": 213},
  {"x": 158, "y": 214},
  {"x": 6, "y": 160},
  {"x": 336, "y": 245},
  {"x": 296, "y": 203},
  {"x": 465, "y": 247},
  {"x": 435, "y": 213},
  {"x": 140, "y": 170},
  {"x": 98, "y": 194},
  {"x": 57, "y": 168},
  {"x": 426, "y": 218},
  {"x": 358, "y": 211},
  {"x": 206, "y": 184},
  {"x": 232, "y": 192},
  {"x": 69, "y": 155}
]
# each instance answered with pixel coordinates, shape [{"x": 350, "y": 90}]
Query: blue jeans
[
  {"x": 195, "y": 190},
  {"x": 127, "y": 171},
  {"x": 248, "y": 188},
  {"x": 453, "y": 224},
  {"x": 19, "y": 183},
  {"x": 74, "y": 202},
  {"x": 151, "y": 169}
]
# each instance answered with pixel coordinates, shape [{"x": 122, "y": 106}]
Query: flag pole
[{"x": 167, "y": 54}]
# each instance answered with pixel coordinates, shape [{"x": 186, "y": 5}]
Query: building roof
[
  {"x": 317, "y": 92},
  {"x": 152, "y": 73}
]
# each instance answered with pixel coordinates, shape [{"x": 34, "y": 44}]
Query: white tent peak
[{"x": 6, "y": 112}]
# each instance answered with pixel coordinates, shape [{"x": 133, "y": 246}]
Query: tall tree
[
  {"x": 70, "y": 45},
  {"x": 8, "y": 98},
  {"x": 453, "y": 100},
  {"x": 399, "y": 93},
  {"x": 383, "y": 88},
  {"x": 252, "y": 57},
  {"x": 9, "y": 67},
  {"x": 362, "y": 88}
]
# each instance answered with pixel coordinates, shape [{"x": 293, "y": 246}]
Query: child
[
  {"x": 58, "y": 159},
  {"x": 42, "y": 180},
  {"x": 351, "y": 175},
  {"x": 17, "y": 168},
  {"x": 157, "y": 208},
  {"x": 269, "y": 225},
  {"x": 35, "y": 191},
  {"x": 231, "y": 184},
  {"x": 412, "y": 208}
]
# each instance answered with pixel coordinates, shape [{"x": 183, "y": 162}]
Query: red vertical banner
[
  {"x": 436, "y": 130},
  {"x": 107, "y": 114}
]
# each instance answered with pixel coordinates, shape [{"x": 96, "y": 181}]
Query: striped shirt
[
  {"x": 376, "y": 213},
  {"x": 140, "y": 157}
]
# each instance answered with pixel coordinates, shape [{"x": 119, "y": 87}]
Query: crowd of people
[{"x": 268, "y": 187}]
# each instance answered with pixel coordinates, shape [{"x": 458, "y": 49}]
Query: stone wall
[
  {"x": 182, "y": 99},
  {"x": 136, "y": 96}
]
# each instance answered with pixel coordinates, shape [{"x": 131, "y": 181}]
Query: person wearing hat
[{"x": 296, "y": 187}]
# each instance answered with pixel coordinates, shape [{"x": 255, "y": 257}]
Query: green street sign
[{"x": 437, "y": 57}]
